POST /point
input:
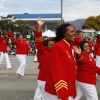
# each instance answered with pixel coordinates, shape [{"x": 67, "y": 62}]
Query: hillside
[{"x": 77, "y": 23}]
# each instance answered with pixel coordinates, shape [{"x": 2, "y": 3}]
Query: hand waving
[
  {"x": 77, "y": 50},
  {"x": 40, "y": 21}
]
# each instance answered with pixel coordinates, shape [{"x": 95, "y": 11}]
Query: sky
[{"x": 72, "y": 9}]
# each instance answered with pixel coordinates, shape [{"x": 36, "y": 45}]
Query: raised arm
[
  {"x": 38, "y": 35},
  {"x": 40, "y": 24}
]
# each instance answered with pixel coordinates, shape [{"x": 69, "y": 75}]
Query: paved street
[{"x": 13, "y": 88}]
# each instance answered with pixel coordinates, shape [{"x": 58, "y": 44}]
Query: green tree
[
  {"x": 9, "y": 23},
  {"x": 92, "y": 22}
]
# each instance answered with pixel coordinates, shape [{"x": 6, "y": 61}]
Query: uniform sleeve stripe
[
  {"x": 61, "y": 84},
  {"x": 38, "y": 40},
  {"x": 62, "y": 87},
  {"x": 61, "y": 81},
  {"x": 38, "y": 37}
]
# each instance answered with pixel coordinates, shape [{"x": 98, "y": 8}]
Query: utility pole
[{"x": 61, "y": 11}]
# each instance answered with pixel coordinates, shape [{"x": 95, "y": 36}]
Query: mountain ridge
[{"x": 78, "y": 23}]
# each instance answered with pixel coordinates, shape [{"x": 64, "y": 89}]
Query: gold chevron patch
[{"x": 60, "y": 85}]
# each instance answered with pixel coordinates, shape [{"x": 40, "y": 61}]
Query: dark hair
[
  {"x": 78, "y": 31},
  {"x": 17, "y": 35},
  {"x": 98, "y": 36},
  {"x": 89, "y": 39},
  {"x": 60, "y": 31},
  {"x": 45, "y": 42},
  {"x": 81, "y": 44},
  {"x": 0, "y": 32}
]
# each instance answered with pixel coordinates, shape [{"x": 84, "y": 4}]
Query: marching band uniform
[
  {"x": 22, "y": 48},
  {"x": 86, "y": 77},
  {"x": 77, "y": 41},
  {"x": 97, "y": 52},
  {"x": 91, "y": 45},
  {"x": 9, "y": 34},
  {"x": 60, "y": 81},
  {"x": 3, "y": 51},
  {"x": 43, "y": 56}
]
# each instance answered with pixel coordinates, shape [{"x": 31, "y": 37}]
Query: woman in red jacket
[
  {"x": 22, "y": 48},
  {"x": 60, "y": 81},
  {"x": 3, "y": 50},
  {"x": 86, "y": 73},
  {"x": 43, "y": 56}
]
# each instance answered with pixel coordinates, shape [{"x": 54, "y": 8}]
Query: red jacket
[
  {"x": 97, "y": 47},
  {"x": 10, "y": 34},
  {"x": 61, "y": 74},
  {"x": 77, "y": 41},
  {"x": 43, "y": 56},
  {"x": 3, "y": 44},
  {"x": 87, "y": 69},
  {"x": 22, "y": 46},
  {"x": 91, "y": 46}
]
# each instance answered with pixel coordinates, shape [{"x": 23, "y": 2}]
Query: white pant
[
  {"x": 40, "y": 93},
  {"x": 35, "y": 58},
  {"x": 54, "y": 97},
  {"x": 91, "y": 55},
  {"x": 88, "y": 90},
  {"x": 22, "y": 60},
  {"x": 98, "y": 61},
  {"x": 6, "y": 58}
]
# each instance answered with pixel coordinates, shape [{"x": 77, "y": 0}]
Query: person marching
[
  {"x": 97, "y": 51},
  {"x": 86, "y": 73},
  {"x": 78, "y": 38},
  {"x": 43, "y": 55},
  {"x": 22, "y": 48},
  {"x": 4, "y": 38},
  {"x": 60, "y": 81},
  {"x": 91, "y": 44}
]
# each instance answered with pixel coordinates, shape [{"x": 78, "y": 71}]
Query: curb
[{"x": 13, "y": 74}]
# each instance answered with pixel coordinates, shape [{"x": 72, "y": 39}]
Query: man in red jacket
[
  {"x": 3, "y": 50},
  {"x": 22, "y": 48},
  {"x": 91, "y": 44},
  {"x": 78, "y": 38}
]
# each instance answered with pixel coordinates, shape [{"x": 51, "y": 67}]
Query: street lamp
[{"x": 61, "y": 11}]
